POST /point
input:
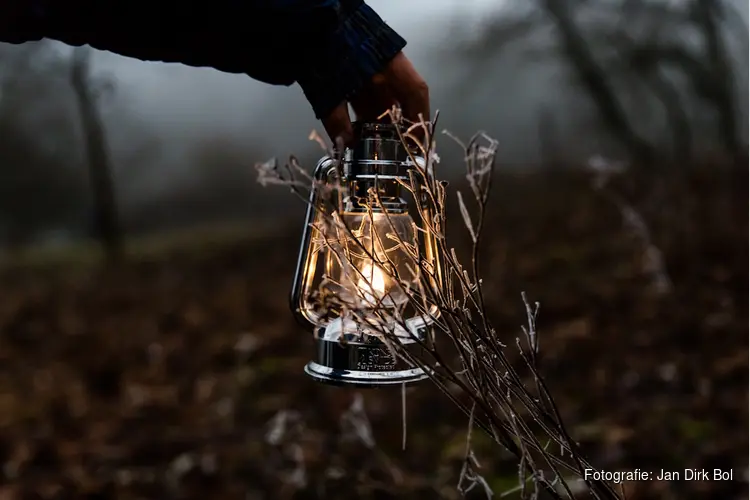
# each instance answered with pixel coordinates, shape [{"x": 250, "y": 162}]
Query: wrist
[{"x": 361, "y": 47}]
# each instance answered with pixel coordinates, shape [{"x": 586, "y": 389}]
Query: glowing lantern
[{"x": 361, "y": 262}]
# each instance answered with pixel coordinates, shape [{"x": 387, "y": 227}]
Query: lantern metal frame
[{"x": 379, "y": 160}]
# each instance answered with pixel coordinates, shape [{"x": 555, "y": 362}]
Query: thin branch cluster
[{"x": 463, "y": 354}]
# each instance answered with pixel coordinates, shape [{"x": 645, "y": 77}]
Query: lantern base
[
  {"x": 363, "y": 379},
  {"x": 362, "y": 364}
]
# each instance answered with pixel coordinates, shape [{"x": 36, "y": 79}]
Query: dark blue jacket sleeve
[{"x": 332, "y": 48}]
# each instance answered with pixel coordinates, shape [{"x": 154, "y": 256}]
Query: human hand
[{"x": 399, "y": 83}]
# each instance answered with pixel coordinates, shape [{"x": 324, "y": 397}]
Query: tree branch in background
[
  {"x": 709, "y": 70},
  {"x": 721, "y": 90},
  {"x": 594, "y": 79},
  {"x": 641, "y": 45}
]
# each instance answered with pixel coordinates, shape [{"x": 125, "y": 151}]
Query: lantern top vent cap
[{"x": 381, "y": 130}]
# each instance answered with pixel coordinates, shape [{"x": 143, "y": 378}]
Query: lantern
[{"x": 362, "y": 245}]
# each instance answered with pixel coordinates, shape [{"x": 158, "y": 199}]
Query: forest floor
[{"x": 179, "y": 373}]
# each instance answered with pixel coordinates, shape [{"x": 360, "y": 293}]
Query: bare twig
[{"x": 428, "y": 283}]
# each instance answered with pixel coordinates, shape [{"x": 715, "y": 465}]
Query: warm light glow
[{"x": 374, "y": 291}]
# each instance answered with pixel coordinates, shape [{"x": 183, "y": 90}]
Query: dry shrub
[{"x": 515, "y": 408}]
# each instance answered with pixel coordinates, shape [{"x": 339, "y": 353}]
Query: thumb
[{"x": 338, "y": 124}]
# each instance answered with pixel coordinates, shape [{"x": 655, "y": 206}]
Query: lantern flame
[{"x": 372, "y": 287}]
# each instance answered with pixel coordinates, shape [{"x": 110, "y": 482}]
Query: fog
[
  {"x": 182, "y": 104},
  {"x": 172, "y": 129}
]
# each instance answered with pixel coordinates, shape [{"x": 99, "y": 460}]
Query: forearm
[
  {"x": 331, "y": 47},
  {"x": 235, "y": 36}
]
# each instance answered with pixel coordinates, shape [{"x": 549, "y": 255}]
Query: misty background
[
  {"x": 177, "y": 144},
  {"x": 165, "y": 369}
]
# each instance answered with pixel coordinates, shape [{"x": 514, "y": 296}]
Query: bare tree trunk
[
  {"x": 549, "y": 145},
  {"x": 594, "y": 79},
  {"x": 707, "y": 13},
  {"x": 106, "y": 218},
  {"x": 679, "y": 122}
]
